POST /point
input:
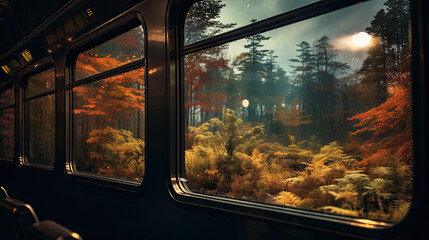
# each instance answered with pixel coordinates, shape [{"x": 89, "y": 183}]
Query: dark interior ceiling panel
[{"x": 18, "y": 18}]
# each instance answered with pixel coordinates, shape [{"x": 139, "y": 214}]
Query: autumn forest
[
  {"x": 319, "y": 136},
  {"x": 311, "y": 131}
]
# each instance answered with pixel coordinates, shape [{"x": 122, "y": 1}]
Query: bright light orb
[
  {"x": 362, "y": 39},
  {"x": 245, "y": 103}
]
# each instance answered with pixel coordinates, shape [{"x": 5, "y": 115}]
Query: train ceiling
[{"x": 18, "y": 18}]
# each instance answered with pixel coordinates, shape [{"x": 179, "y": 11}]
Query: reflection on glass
[
  {"x": 116, "y": 52},
  {"x": 209, "y": 18},
  {"x": 7, "y": 98},
  {"x": 41, "y": 82},
  {"x": 7, "y": 133},
  {"x": 109, "y": 126},
  {"x": 303, "y": 116},
  {"x": 41, "y": 118},
  {"x": 42, "y": 131}
]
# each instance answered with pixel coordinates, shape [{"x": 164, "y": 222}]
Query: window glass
[
  {"x": 314, "y": 115},
  {"x": 42, "y": 130},
  {"x": 7, "y": 98},
  {"x": 40, "y": 83},
  {"x": 209, "y": 18},
  {"x": 114, "y": 53},
  {"x": 109, "y": 126},
  {"x": 40, "y": 104},
  {"x": 7, "y": 123}
]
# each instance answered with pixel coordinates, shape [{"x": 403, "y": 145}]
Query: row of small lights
[
  {"x": 25, "y": 54},
  {"x": 9, "y": 67}
]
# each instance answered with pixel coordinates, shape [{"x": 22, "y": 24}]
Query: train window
[
  {"x": 39, "y": 119},
  {"x": 109, "y": 111},
  {"x": 7, "y": 98},
  {"x": 40, "y": 83},
  {"x": 206, "y": 19},
  {"x": 116, "y": 52},
  {"x": 7, "y": 123},
  {"x": 314, "y": 115}
]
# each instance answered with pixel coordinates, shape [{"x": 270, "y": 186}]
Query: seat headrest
[
  {"x": 3, "y": 193},
  {"x": 47, "y": 230},
  {"x": 21, "y": 215}
]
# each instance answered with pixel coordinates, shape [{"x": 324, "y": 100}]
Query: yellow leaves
[
  {"x": 295, "y": 180},
  {"x": 340, "y": 211},
  {"x": 280, "y": 154},
  {"x": 226, "y": 136},
  {"x": 333, "y": 155},
  {"x": 292, "y": 117},
  {"x": 120, "y": 154},
  {"x": 291, "y": 200},
  {"x": 317, "y": 168},
  {"x": 350, "y": 196}
]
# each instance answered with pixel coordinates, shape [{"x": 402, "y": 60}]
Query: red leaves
[
  {"x": 390, "y": 125},
  {"x": 202, "y": 78},
  {"x": 120, "y": 94}
]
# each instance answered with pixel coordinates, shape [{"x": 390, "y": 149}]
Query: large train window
[
  {"x": 309, "y": 109},
  {"x": 108, "y": 95},
  {"x": 123, "y": 49},
  {"x": 7, "y": 122},
  {"x": 199, "y": 26},
  {"x": 39, "y": 119}
]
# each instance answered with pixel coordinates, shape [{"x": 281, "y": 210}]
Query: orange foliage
[
  {"x": 200, "y": 73},
  {"x": 118, "y": 94},
  {"x": 89, "y": 64},
  {"x": 292, "y": 117},
  {"x": 390, "y": 125}
]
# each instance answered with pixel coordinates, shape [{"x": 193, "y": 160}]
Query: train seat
[
  {"x": 47, "y": 230},
  {"x": 16, "y": 218},
  {"x": 3, "y": 193}
]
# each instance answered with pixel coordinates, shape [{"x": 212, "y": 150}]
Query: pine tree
[
  {"x": 305, "y": 81},
  {"x": 326, "y": 71},
  {"x": 250, "y": 64},
  {"x": 390, "y": 51},
  {"x": 201, "y": 21}
]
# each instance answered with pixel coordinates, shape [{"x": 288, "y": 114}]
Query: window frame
[
  {"x": 3, "y": 88},
  {"x": 97, "y": 36},
  {"x": 41, "y": 66},
  {"x": 349, "y": 226}
]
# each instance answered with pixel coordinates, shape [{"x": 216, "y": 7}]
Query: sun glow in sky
[
  {"x": 355, "y": 43},
  {"x": 339, "y": 26},
  {"x": 362, "y": 39}
]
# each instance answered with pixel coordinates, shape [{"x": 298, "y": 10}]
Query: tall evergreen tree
[
  {"x": 201, "y": 21},
  {"x": 389, "y": 52},
  {"x": 327, "y": 69},
  {"x": 305, "y": 80},
  {"x": 271, "y": 89},
  {"x": 252, "y": 71}
]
